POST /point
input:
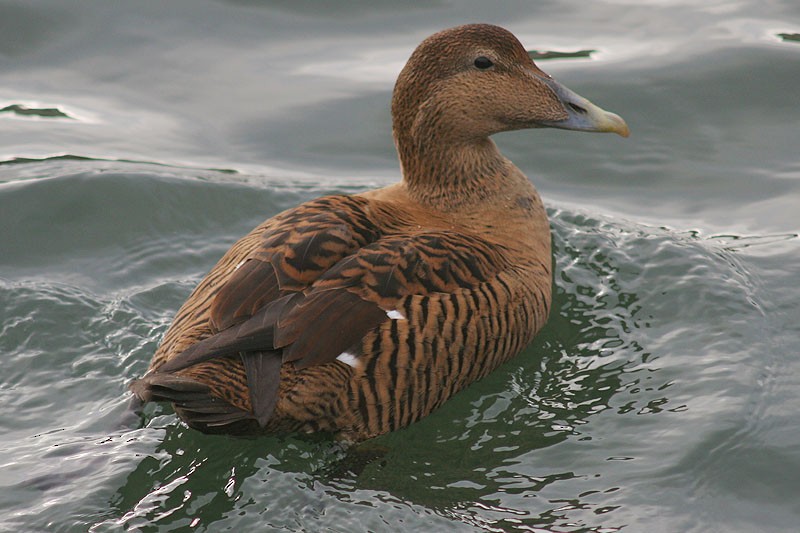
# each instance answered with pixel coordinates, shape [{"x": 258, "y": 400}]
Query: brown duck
[{"x": 360, "y": 314}]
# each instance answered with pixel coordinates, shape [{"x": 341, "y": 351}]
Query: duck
[{"x": 357, "y": 315}]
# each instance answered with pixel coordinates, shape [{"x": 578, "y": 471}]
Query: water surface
[{"x": 139, "y": 141}]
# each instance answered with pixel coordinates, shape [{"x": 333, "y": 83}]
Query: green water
[{"x": 139, "y": 141}]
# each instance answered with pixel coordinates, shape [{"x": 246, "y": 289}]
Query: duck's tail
[{"x": 195, "y": 403}]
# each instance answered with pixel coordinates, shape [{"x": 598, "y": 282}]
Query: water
[{"x": 138, "y": 141}]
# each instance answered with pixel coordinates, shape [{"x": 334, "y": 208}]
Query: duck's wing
[
  {"x": 331, "y": 317},
  {"x": 371, "y": 286},
  {"x": 355, "y": 295},
  {"x": 299, "y": 246}
]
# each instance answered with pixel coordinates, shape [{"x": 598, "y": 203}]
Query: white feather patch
[
  {"x": 394, "y": 314},
  {"x": 348, "y": 359}
]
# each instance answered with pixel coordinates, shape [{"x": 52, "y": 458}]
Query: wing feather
[{"x": 251, "y": 287}]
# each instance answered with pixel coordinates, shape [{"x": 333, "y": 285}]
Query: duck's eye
[{"x": 483, "y": 62}]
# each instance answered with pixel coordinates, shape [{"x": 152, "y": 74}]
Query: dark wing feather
[
  {"x": 256, "y": 333},
  {"x": 324, "y": 325},
  {"x": 263, "y": 371},
  {"x": 252, "y": 286}
]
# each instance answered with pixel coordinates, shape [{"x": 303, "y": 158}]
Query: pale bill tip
[{"x": 616, "y": 124}]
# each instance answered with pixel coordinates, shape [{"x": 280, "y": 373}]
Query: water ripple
[{"x": 614, "y": 392}]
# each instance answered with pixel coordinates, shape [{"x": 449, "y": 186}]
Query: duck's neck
[{"x": 451, "y": 176}]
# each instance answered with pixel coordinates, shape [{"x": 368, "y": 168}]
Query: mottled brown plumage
[{"x": 361, "y": 314}]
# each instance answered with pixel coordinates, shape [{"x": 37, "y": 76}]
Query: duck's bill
[{"x": 584, "y": 115}]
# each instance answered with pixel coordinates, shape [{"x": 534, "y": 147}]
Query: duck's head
[{"x": 465, "y": 83}]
